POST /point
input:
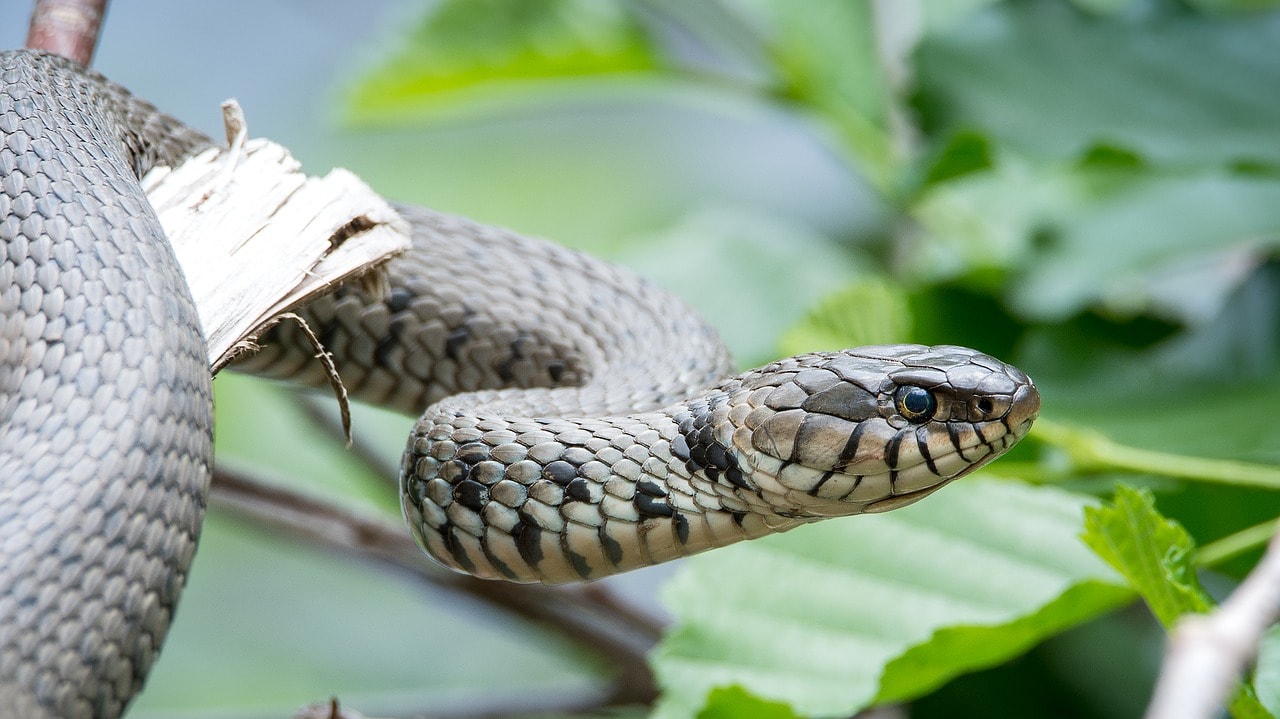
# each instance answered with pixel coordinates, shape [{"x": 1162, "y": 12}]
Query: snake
[{"x": 576, "y": 420}]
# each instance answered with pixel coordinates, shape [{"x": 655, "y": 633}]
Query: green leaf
[
  {"x": 825, "y": 56},
  {"x": 1154, "y": 554},
  {"x": 751, "y": 275},
  {"x": 1049, "y": 82},
  {"x": 463, "y": 47},
  {"x": 736, "y": 703},
  {"x": 964, "y": 153},
  {"x": 968, "y": 578},
  {"x": 871, "y": 311},
  {"x": 1190, "y": 239}
]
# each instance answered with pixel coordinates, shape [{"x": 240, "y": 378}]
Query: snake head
[{"x": 875, "y": 428}]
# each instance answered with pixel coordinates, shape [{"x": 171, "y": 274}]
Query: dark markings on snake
[
  {"x": 734, "y": 475},
  {"x": 473, "y": 452},
  {"x": 579, "y": 489},
  {"x": 506, "y": 369},
  {"x": 579, "y": 563},
  {"x": 560, "y": 472},
  {"x": 649, "y": 506},
  {"x": 528, "y": 536},
  {"x": 384, "y": 352},
  {"x": 417, "y": 490},
  {"x": 556, "y": 368},
  {"x": 651, "y": 488},
  {"x": 471, "y": 494},
  {"x": 612, "y": 549},
  {"x": 813, "y": 492},
  {"x": 398, "y": 300},
  {"x": 922, "y": 441},
  {"x": 682, "y": 528},
  {"x": 850, "y": 450},
  {"x": 738, "y": 517},
  {"x": 953, "y": 434},
  {"x": 454, "y": 342},
  {"x": 892, "y": 448},
  {"x": 456, "y": 550},
  {"x": 680, "y": 448},
  {"x": 454, "y": 471},
  {"x": 498, "y": 564}
]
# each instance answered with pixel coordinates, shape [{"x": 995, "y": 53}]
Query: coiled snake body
[{"x": 578, "y": 420}]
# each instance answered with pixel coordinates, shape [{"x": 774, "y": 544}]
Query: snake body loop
[
  {"x": 105, "y": 401},
  {"x": 577, "y": 421}
]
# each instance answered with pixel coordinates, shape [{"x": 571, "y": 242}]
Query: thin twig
[
  {"x": 1208, "y": 653},
  {"x": 578, "y": 614},
  {"x": 1091, "y": 451},
  {"x": 67, "y": 27}
]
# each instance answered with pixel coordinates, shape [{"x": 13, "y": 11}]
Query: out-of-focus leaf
[
  {"x": 1154, "y": 554},
  {"x": 750, "y": 275},
  {"x": 942, "y": 14},
  {"x": 1233, "y": 6},
  {"x": 964, "y": 153},
  {"x": 814, "y": 616},
  {"x": 1050, "y": 82},
  {"x": 736, "y": 703},
  {"x": 1102, "y": 235},
  {"x": 1201, "y": 392},
  {"x": 870, "y": 311},
  {"x": 826, "y": 59},
  {"x": 463, "y": 46},
  {"x": 1104, "y": 7},
  {"x": 1266, "y": 677}
]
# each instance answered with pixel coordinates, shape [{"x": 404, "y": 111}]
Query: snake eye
[{"x": 915, "y": 404}]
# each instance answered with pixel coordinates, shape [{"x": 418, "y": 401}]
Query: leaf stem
[
  {"x": 1233, "y": 545},
  {"x": 1091, "y": 451}
]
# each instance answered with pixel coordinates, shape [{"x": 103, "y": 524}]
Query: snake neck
[{"x": 560, "y": 500}]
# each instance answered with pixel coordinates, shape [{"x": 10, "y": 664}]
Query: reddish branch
[{"x": 67, "y": 27}]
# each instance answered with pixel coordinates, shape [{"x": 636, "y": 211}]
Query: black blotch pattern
[
  {"x": 682, "y": 528},
  {"x": 560, "y": 472},
  {"x": 579, "y": 490},
  {"x": 579, "y": 563},
  {"x": 556, "y": 369},
  {"x": 649, "y": 506},
  {"x": 697, "y": 446},
  {"x": 454, "y": 342},
  {"x": 471, "y": 494},
  {"x": 399, "y": 299},
  {"x": 612, "y": 549},
  {"x": 456, "y": 550},
  {"x": 498, "y": 564},
  {"x": 650, "y": 488},
  {"x": 528, "y": 537}
]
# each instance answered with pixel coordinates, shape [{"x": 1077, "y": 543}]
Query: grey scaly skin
[
  {"x": 578, "y": 420},
  {"x": 105, "y": 402}
]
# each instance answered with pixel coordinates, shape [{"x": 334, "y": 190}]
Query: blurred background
[{"x": 1090, "y": 189}]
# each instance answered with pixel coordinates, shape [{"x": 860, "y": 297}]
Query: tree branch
[
  {"x": 1208, "y": 653},
  {"x": 67, "y": 27},
  {"x": 586, "y": 616}
]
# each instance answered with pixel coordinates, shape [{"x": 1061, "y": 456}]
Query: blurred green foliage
[{"x": 1088, "y": 189}]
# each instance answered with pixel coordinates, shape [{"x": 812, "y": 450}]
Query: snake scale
[{"x": 578, "y": 420}]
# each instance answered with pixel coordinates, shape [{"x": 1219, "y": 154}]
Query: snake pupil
[{"x": 916, "y": 404}]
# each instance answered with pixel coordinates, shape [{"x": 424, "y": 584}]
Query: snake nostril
[{"x": 985, "y": 406}]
